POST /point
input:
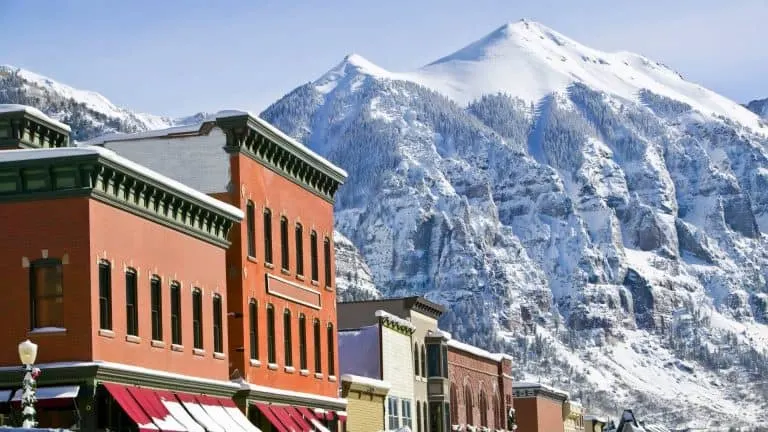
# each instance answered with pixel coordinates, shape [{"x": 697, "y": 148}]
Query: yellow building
[
  {"x": 365, "y": 402},
  {"x": 594, "y": 423},
  {"x": 573, "y": 416}
]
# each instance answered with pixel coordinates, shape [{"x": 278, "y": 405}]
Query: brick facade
[
  {"x": 479, "y": 389},
  {"x": 539, "y": 408}
]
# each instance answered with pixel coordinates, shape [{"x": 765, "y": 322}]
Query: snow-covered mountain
[
  {"x": 88, "y": 113},
  {"x": 593, "y": 213},
  {"x": 759, "y": 107}
]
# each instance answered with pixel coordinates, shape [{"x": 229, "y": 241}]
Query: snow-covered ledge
[{"x": 48, "y": 330}]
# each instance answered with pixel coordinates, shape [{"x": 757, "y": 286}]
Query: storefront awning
[
  {"x": 276, "y": 422},
  {"x": 310, "y": 417},
  {"x": 217, "y": 412},
  {"x": 284, "y": 414},
  {"x": 173, "y": 405},
  {"x": 299, "y": 419},
  {"x": 156, "y": 410},
  {"x": 131, "y": 407},
  {"x": 341, "y": 415},
  {"x": 51, "y": 397},
  {"x": 199, "y": 413},
  {"x": 231, "y": 408}
]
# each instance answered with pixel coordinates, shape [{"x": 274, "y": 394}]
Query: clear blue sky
[{"x": 175, "y": 58}]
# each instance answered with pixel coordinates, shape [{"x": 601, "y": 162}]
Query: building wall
[
  {"x": 365, "y": 411},
  {"x": 247, "y": 278},
  {"x": 480, "y": 375},
  {"x": 38, "y": 229},
  {"x": 539, "y": 414},
  {"x": 128, "y": 241},
  {"x": 423, "y": 324},
  {"x": 397, "y": 355}
]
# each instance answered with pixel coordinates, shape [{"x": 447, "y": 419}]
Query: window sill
[
  {"x": 48, "y": 330},
  {"x": 290, "y": 369},
  {"x": 318, "y": 375},
  {"x": 198, "y": 352},
  {"x": 107, "y": 333},
  {"x": 272, "y": 366},
  {"x": 269, "y": 265},
  {"x": 177, "y": 348},
  {"x": 304, "y": 372},
  {"x": 300, "y": 277},
  {"x": 255, "y": 363},
  {"x": 219, "y": 356},
  {"x": 157, "y": 344},
  {"x": 332, "y": 378},
  {"x": 328, "y": 288},
  {"x": 285, "y": 272},
  {"x": 315, "y": 283},
  {"x": 252, "y": 259},
  {"x": 132, "y": 339}
]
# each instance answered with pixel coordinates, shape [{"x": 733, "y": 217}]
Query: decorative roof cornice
[
  {"x": 94, "y": 175},
  {"x": 273, "y": 149},
  {"x": 395, "y": 323},
  {"x": 26, "y": 127}
]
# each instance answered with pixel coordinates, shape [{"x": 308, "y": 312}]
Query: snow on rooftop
[
  {"x": 373, "y": 382},
  {"x": 533, "y": 385},
  {"x": 396, "y": 319},
  {"x": 209, "y": 118},
  {"x": 13, "y": 108},
  {"x": 31, "y": 154},
  {"x": 497, "y": 357}
]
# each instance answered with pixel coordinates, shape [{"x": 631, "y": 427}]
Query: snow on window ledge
[
  {"x": 332, "y": 378},
  {"x": 318, "y": 375},
  {"x": 132, "y": 339},
  {"x": 48, "y": 330},
  {"x": 219, "y": 356},
  {"x": 198, "y": 352},
  {"x": 255, "y": 363},
  {"x": 107, "y": 333},
  {"x": 290, "y": 369},
  {"x": 272, "y": 366},
  {"x": 157, "y": 344},
  {"x": 177, "y": 348},
  {"x": 304, "y": 372}
]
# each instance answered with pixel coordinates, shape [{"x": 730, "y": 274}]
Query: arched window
[
  {"x": 288, "y": 338},
  {"x": 497, "y": 421},
  {"x": 267, "y": 236},
  {"x": 253, "y": 317},
  {"x": 483, "y": 403},
  {"x": 327, "y": 260},
  {"x": 454, "y": 406},
  {"x": 299, "y": 231},
  {"x": 271, "y": 354},
  {"x": 468, "y": 418},
  {"x": 313, "y": 254},
  {"x": 424, "y": 361},
  {"x": 302, "y": 342},
  {"x": 418, "y": 416},
  {"x": 285, "y": 254},
  {"x": 197, "y": 319},
  {"x": 218, "y": 326},
  {"x": 250, "y": 228},
  {"x": 318, "y": 350},
  {"x": 331, "y": 355},
  {"x": 416, "y": 361},
  {"x": 105, "y": 295}
]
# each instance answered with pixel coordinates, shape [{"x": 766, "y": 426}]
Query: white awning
[{"x": 42, "y": 393}]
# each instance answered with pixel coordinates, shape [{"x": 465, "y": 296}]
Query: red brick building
[
  {"x": 280, "y": 267},
  {"x": 481, "y": 387},
  {"x": 118, "y": 274},
  {"x": 539, "y": 408}
]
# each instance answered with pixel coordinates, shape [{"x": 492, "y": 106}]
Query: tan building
[
  {"x": 573, "y": 416},
  {"x": 594, "y": 423},
  {"x": 365, "y": 402}
]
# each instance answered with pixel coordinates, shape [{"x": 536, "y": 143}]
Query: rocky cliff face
[
  {"x": 601, "y": 236},
  {"x": 759, "y": 107}
]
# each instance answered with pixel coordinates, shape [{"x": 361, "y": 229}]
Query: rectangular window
[
  {"x": 327, "y": 260},
  {"x": 406, "y": 412},
  {"x": 393, "y": 418},
  {"x": 267, "y": 236},
  {"x": 299, "y": 250},
  {"x": 131, "y": 303},
  {"x": 433, "y": 360},
  {"x": 157, "y": 308},
  {"x": 47, "y": 289},
  {"x": 318, "y": 358},
  {"x": 197, "y": 318},
  {"x": 285, "y": 254},
  {"x": 313, "y": 255},
  {"x": 251, "y": 228},
  {"x": 218, "y": 330},
  {"x": 254, "y": 327},
  {"x": 303, "y": 342},
  {"x": 175, "y": 313},
  {"x": 331, "y": 355},
  {"x": 288, "y": 338},
  {"x": 105, "y": 295},
  {"x": 271, "y": 352}
]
